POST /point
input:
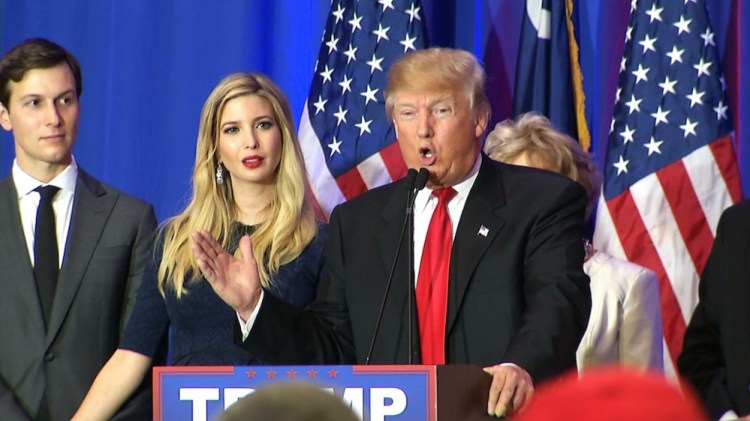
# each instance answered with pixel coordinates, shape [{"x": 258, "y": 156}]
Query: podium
[{"x": 376, "y": 393}]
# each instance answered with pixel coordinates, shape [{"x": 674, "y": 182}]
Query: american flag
[
  {"x": 348, "y": 142},
  {"x": 670, "y": 164}
]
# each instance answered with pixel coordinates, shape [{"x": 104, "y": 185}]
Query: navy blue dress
[{"x": 200, "y": 324}]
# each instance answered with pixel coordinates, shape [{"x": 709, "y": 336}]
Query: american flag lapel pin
[{"x": 483, "y": 231}]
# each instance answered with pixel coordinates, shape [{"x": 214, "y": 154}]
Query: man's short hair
[
  {"x": 438, "y": 69},
  {"x": 35, "y": 53}
]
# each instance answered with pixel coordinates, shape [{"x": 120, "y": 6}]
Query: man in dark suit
[
  {"x": 52, "y": 346},
  {"x": 517, "y": 300},
  {"x": 715, "y": 356}
]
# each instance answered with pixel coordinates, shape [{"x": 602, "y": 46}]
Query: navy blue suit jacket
[
  {"x": 715, "y": 356},
  {"x": 517, "y": 290}
]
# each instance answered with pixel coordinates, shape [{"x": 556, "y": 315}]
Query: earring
[{"x": 220, "y": 174}]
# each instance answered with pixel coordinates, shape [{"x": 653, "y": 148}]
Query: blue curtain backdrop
[{"x": 149, "y": 65}]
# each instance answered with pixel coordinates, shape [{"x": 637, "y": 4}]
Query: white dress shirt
[
  {"x": 425, "y": 204},
  {"x": 62, "y": 204}
]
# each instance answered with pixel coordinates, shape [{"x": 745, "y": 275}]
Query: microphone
[
  {"x": 411, "y": 177},
  {"x": 421, "y": 179},
  {"x": 409, "y": 182},
  {"x": 419, "y": 183}
]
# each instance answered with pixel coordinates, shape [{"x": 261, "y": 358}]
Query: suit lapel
[
  {"x": 18, "y": 274},
  {"x": 477, "y": 229},
  {"x": 91, "y": 209}
]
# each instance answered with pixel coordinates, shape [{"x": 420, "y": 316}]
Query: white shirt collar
[
  {"x": 25, "y": 183},
  {"x": 462, "y": 189}
]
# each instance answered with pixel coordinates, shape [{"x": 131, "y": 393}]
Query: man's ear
[
  {"x": 5, "y": 118},
  {"x": 482, "y": 120}
]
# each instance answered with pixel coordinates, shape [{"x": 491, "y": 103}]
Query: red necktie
[{"x": 432, "y": 283}]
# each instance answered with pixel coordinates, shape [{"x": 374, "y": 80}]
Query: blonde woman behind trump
[
  {"x": 625, "y": 323},
  {"x": 248, "y": 188}
]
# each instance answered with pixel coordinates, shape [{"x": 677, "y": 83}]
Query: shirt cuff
[
  {"x": 245, "y": 326},
  {"x": 729, "y": 415}
]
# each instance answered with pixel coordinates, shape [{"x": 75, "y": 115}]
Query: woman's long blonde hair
[{"x": 290, "y": 225}]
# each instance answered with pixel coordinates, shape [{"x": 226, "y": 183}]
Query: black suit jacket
[
  {"x": 517, "y": 294},
  {"x": 715, "y": 356},
  {"x": 109, "y": 239}
]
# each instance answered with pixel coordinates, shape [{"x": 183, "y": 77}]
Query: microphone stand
[
  {"x": 409, "y": 181},
  {"x": 419, "y": 184}
]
